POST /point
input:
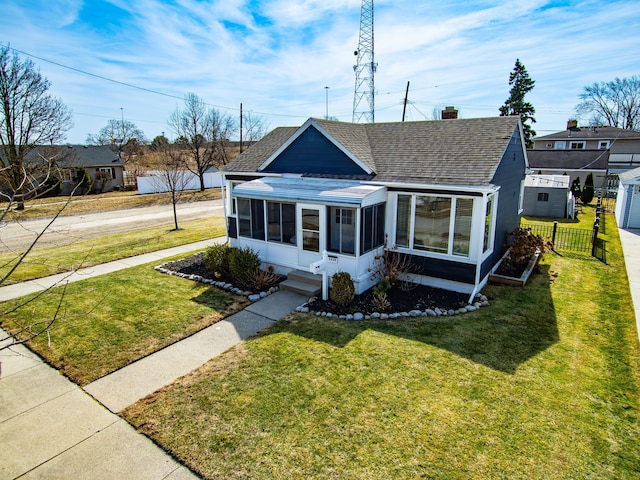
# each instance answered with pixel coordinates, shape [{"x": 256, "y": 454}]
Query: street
[{"x": 19, "y": 235}]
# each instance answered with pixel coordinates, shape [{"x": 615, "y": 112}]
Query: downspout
[{"x": 224, "y": 208}]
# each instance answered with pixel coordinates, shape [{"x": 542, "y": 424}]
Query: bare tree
[
  {"x": 615, "y": 103},
  {"x": 123, "y": 135},
  {"x": 31, "y": 118},
  {"x": 204, "y": 132},
  {"x": 172, "y": 175},
  {"x": 255, "y": 127}
]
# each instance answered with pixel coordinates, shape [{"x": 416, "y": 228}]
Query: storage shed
[
  {"x": 628, "y": 199},
  {"x": 548, "y": 196}
]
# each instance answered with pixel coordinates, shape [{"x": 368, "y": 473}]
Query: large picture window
[
  {"x": 434, "y": 223},
  {"x": 281, "y": 222},
  {"x": 342, "y": 230},
  {"x": 431, "y": 227},
  {"x": 372, "y": 228}
]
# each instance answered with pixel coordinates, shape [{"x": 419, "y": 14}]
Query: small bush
[
  {"x": 342, "y": 290},
  {"x": 264, "y": 279},
  {"x": 523, "y": 245},
  {"x": 243, "y": 263},
  {"x": 216, "y": 258}
]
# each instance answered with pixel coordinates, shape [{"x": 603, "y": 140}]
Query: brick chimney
[
  {"x": 571, "y": 124},
  {"x": 449, "y": 113}
]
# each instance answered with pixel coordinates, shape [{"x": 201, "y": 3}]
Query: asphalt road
[{"x": 16, "y": 236}]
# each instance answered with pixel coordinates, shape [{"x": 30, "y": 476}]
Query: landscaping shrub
[
  {"x": 342, "y": 290},
  {"x": 264, "y": 279},
  {"x": 216, "y": 258},
  {"x": 243, "y": 263},
  {"x": 588, "y": 191},
  {"x": 523, "y": 244}
]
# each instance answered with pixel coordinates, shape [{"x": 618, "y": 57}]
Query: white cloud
[{"x": 277, "y": 56}]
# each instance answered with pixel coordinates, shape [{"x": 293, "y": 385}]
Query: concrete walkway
[
  {"x": 133, "y": 382},
  {"x": 52, "y": 429},
  {"x": 630, "y": 240}
]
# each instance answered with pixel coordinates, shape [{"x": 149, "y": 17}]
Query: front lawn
[
  {"x": 110, "y": 321},
  {"x": 542, "y": 384}
]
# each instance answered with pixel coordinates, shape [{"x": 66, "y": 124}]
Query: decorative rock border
[
  {"x": 481, "y": 301},
  {"x": 197, "y": 258}
]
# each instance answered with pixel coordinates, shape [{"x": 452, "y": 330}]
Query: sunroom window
[
  {"x": 372, "y": 228},
  {"x": 342, "y": 230},
  {"x": 434, "y": 224},
  {"x": 281, "y": 222},
  {"x": 251, "y": 218}
]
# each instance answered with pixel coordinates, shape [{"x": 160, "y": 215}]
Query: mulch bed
[{"x": 419, "y": 297}]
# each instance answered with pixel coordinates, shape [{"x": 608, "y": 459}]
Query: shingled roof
[
  {"x": 442, "y": 152},
  {"x": 591, "y": 133},
  {"x": 568, "y": 159}
]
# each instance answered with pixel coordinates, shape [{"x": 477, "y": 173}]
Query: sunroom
[{"x": 290, "y": 221}]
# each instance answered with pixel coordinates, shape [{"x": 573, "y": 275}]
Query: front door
[{"x": 310, "y": 233}]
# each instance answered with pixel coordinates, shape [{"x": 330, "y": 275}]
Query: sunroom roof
[{"x": 311, "y": 190}]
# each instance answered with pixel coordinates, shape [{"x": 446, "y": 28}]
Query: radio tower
[{"x": 365, "y": 67}]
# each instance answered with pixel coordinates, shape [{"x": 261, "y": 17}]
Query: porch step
[{"x": 302, "y": 283}]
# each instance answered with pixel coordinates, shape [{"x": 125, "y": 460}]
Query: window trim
[{"x": 410, "y": 247}]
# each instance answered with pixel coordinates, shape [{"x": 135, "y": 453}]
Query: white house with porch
[{"x": 442, "y": 193}]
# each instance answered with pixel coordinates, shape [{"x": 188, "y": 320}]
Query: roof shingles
[{"x": 447, "y": 152}]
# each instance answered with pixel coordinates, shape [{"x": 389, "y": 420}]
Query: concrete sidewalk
[
  {"x": 630, "y": 240},
  {"x": 50, "y": 428},
  {"x": 133, "y": 382},
  {"x": 18, "y": 290}
]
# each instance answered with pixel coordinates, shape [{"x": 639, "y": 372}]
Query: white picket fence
[{"x": 152, "y": 182}]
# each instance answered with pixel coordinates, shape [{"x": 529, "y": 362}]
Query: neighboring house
[
  {"x": 548, "y": 196},
  {"x": 442, "y": 193},
  {"x": 103, "y": 164},
  {"x": 623, "y": 145},
  {"x": 574, "y": 163},
  {"x": 628, "y": 200}
]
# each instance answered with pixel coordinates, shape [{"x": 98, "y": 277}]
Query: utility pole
[
  {"x": 241, "y": 128},
  {"x": 365, "y": 68},
  {"x": 406, "y": 97}
]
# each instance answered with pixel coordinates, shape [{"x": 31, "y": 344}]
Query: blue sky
[{"x": 276, "y": 57}]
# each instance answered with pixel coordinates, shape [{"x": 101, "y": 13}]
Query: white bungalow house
[{"x": 444, "y": 193}]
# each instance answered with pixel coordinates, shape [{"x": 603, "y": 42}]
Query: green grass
[
  {"x": 46, "y": 261},
  {"x": 542, "y": 384},
  {"x": 110, "y": 321}
]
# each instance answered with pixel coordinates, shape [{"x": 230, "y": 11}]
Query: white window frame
[
  {"x": 603, "y": 144},
  {"x": 452, "y": 218},
  {"x": 560, "y": 145},
  {"x": 577, "y": 145}
]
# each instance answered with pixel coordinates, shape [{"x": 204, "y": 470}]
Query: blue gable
[{"x": 313, "y": 153}]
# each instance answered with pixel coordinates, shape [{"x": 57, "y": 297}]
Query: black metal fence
[
  {"x": 576, "y": 239},
  {"x": 563, "y": 238}
]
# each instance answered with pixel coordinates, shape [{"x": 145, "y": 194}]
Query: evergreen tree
[
  {"x": 521, "y": 84},
  {"x": 575, "y": 188},
  {"x": 588, "y": 190}
]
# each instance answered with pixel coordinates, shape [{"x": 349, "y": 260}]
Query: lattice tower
[{"x": 365, "y": 68}]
